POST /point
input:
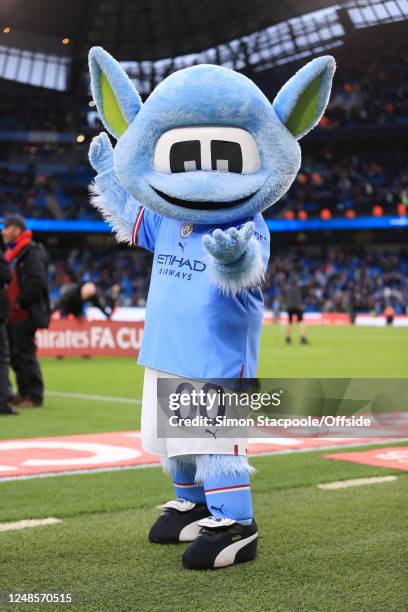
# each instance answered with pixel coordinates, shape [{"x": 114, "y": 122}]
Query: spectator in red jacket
[
  {"x": 29, "y": 308},
  {"x": 5, "y": 278}
]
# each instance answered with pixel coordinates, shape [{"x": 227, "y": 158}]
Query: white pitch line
[
  {"x": 356, "y": 482},
  {"x": 13, "y": 526},
  {"x": 98, "y": 398},
  {"x": 79, "y": 472}
]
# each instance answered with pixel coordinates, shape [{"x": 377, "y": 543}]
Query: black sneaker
[
  {"x": 304, "y": 340},
  {"x": 178, "y": 522},
  {"x": 222, "y": 542},
  {"x": 288, "y": 340},
  {"x": 8, "y": 409}
]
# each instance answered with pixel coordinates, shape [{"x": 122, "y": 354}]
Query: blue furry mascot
[{"x": 191, "y": 172}]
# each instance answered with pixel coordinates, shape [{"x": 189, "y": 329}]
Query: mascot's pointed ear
[
  {"x": 302, "y": 101},
  {"x": 115, "y": 97}
]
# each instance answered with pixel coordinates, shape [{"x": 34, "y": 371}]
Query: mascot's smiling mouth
[{"x": 201, "y": 205}]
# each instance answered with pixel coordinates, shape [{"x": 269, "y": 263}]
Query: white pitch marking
[
  {"x": 100, "y": 453},
  {"x": 102, "y": 398},
  {"x": 356, "y": 482},
  {"x": 13, "y": 526},
  {"x": 79, "y": 472}
]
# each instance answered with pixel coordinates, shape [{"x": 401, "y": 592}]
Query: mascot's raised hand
[
  {"x": 108, "y": 196},
  {"x": 101, "y": 154},
  {"x": 235, "y": 259}
]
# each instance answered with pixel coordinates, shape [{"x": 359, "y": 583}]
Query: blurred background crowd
[
  {"x": 332, "y": 279},
  {"x": 329, "y": 185}
]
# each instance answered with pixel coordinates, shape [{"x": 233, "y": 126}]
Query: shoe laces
[
  {"x": 215, "y": 522},
  {"x": 180, "y": 504}
]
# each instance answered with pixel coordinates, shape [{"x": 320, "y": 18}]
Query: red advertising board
[{"x": 86, "y": 338}]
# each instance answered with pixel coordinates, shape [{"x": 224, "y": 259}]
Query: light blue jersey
[{"x": 192, "y": 329}]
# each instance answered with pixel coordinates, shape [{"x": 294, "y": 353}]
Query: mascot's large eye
[
  {"x": 211, "y": 148},
  {"x": 185, "y": 156},
  {"x": 226, "y": 156}
]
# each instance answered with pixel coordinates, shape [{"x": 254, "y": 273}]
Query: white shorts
[{"x": 173, "y": 447}]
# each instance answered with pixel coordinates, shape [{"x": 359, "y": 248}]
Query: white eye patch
[{"x": 223, "y": 149}]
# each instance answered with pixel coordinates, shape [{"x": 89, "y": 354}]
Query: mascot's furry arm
[
  {"x": 117, "y": 207},
  {"x": 235, "y": 259}
]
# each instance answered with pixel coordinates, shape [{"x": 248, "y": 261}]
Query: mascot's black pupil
[
  {"x": 185, "y": 156},
  {"x": 225, "y": 156}
]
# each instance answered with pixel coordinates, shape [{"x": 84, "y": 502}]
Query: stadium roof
[
  {"x": 46, "y": 42},
  {"x": 149, "y": 29}
]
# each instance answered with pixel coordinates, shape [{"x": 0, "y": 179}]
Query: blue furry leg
[
  {"x": 226, "y": 484},
  {"x": 182, "y": 470}
]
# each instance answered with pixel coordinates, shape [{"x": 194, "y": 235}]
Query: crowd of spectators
[
  {"x": 128, "y": 268},
  {"x": 373, "y": 93},
  {"x": 348, "y": 184},
  {"x": 351, "y": 185},
  {"x": 39, "y": 111},
  {"x": 341, "y": 281},
  {"x": 41, "y": 195}
]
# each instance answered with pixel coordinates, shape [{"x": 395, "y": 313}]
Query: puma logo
[{"x": 212, "y": 432}]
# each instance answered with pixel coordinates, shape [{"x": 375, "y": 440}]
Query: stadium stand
[
  {"x": 334, "y": 280},
  {"x": 129, "y": 269},
  {"x": 347, "y": 184},
  {"x": 343, "y": 281},
  {"x": 378, "y": 96},
  {"x": 50, "y": 185},
  {"x": 44, "y": 172},
  {"x": 340, "y": 183}
]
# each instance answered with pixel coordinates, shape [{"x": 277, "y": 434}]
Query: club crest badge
[{"x": 186, "y": 230}]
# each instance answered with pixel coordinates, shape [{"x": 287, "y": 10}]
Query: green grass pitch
[{"x": 318, "y": 550}]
